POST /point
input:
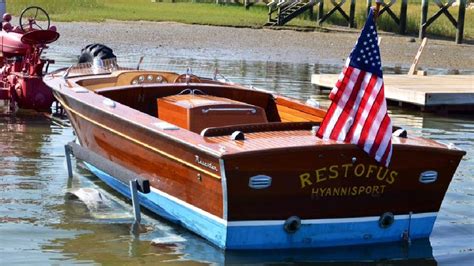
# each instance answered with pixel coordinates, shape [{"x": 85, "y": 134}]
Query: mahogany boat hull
[{"x": 282, "y": 189}]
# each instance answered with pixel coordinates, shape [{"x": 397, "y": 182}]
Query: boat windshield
[{"x": 180, "y": 66}]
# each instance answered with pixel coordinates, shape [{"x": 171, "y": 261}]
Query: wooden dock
[{"x": 445, "y": 92}]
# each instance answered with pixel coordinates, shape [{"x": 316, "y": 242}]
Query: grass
[
  {"x": 228, "y": 15},
  {"x": 185, "y": 12}
]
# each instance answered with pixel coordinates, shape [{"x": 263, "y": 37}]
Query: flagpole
[{"x": 378, "y": 3}]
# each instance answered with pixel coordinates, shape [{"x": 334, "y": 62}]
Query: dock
[{"x": 429, "y": 93}]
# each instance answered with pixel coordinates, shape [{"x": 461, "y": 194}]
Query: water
[{"x": 42, "y": 223}]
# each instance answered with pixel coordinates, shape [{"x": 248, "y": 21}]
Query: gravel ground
[{"x": 197, "y": 41}]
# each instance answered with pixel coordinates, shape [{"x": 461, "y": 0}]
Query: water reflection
[
  {"x": 29, "y": 187},
  {"x": 22, "y": 157}
]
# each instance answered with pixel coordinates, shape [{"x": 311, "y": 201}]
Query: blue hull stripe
[{"x": 271, "y": 234}]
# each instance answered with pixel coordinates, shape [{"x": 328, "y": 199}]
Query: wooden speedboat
[{"x": 243, "y": 167}]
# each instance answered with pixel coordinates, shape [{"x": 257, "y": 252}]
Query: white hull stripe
[
  {"x": 189, "y": 206},
  {"x": 281, "y": 222}
]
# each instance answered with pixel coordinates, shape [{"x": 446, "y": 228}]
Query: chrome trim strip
[
  {"x": 224, "y": 190},
  {"x": 251, "y": 110}
]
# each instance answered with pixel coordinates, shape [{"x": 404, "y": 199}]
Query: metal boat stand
[
  {"x": 406, "y": 234},
  {"x": 136, "y": 184}
]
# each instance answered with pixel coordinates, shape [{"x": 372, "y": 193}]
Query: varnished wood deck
[
  {"x": 258, "y": 141},
  {"x": 428, "y": 92}
]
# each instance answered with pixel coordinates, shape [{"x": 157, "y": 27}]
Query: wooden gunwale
[
  {"x": 255, "y": 144},
  {"x": 294, "y": 104},
  {"x": 338, "y": 146},
  {"x": 73, "y": 82}
]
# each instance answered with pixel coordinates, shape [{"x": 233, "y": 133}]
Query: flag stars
[{"x": 366, "y": 54}]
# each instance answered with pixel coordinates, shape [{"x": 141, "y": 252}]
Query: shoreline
[{"x": 238, "y": 43}]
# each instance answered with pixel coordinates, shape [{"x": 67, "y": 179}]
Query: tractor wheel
[{"x": 96, "y": 50}]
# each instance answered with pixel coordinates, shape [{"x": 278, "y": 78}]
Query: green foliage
[
  {"x": 53, "y": 7},
  {"x": 208, "y": 13}
]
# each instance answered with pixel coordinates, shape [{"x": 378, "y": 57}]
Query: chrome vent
[
  {"x": 428, "y": 177},
  {"x": 260, "y": 182}
]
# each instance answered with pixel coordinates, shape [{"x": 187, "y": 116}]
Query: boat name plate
[
  {"x": 209, "y": 165},
  {"x": 323, "y": 182}
]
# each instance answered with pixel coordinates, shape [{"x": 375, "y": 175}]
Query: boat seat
[
  {"x": 197, "y": 112},
  {"x": 251, "y": 128}
]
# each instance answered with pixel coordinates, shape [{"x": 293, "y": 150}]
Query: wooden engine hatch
[{"x": 197, "y": 112}]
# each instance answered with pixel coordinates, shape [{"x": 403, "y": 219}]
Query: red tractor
[{"x": 21, "y": 66}]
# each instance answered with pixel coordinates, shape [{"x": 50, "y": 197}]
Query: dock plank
[{"x": 425, "y": 91}]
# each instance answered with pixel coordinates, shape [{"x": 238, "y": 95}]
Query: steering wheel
[
  {"x": 30, "y": 17},
  {"x": 182, "y": 78}
]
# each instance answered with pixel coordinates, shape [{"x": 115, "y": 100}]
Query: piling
[
  {"x": 403, "y": 16},
  {"x": 352, "y": 14},
  {"x": 321, "y": 10},
  {"x": 424, "y": 17},
  {"x": 460, "y": 26}
]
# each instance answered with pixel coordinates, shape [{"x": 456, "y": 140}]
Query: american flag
[{"x": 358, "y": 112}]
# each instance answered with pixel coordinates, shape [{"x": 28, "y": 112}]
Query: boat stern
[{"x": 333, "y": 195}]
